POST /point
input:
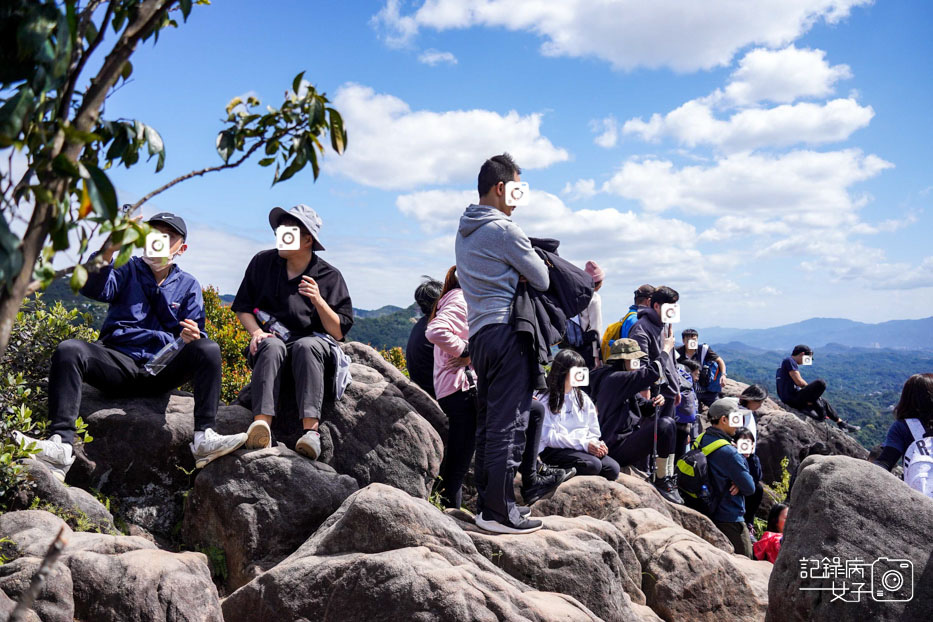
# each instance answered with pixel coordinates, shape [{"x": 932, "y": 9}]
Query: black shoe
[
  {"x": 545, "y": 485},
  {"x": 524, "y": 511},
  {"x": 524, "y": 526},
  {"x": 668, "y": 489}
]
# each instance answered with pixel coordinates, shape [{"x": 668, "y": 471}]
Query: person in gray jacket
[{"x": 492, "y": 255}]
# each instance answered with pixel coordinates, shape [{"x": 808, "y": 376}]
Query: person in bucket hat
[
  {"x": 626, "y": 396},
  {"x": 295, "y": 306}
]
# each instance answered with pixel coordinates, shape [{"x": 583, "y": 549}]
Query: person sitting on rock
[
  {"x": 909, "y": 437},
  {"x": 419, "y": 353},
  {"x": 769, "y": 544},
  {"x": 153, "y": 302},
  {"x": 798, "y": 393},
  {"x": 750, "y": 401},
  {"x": 729, "y": 476},
  {"x": 308, "y": 302},
  {"x": 571, "y": 437},
  {"x": 627, "y": 413}
]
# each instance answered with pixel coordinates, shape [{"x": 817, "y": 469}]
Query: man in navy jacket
[
  {"x": 729, "y": 475},
  {"x": 152, "y": 303}
]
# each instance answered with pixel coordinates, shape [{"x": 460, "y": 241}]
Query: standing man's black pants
[
  {"x": 503, "y": 361},
  {"x": 113, "y": 372}
]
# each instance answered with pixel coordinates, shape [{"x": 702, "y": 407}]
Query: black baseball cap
[{"x": 172, "y": 221}]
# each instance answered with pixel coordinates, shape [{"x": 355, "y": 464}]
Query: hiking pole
[
  {"x": 38, "y": 579},
  {"x": 653, "y": 467}
]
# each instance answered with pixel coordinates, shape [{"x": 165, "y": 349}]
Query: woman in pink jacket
[{"x": 454, "y": 385}]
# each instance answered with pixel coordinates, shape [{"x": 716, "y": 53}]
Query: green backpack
[{"x": 693, "y": 476}]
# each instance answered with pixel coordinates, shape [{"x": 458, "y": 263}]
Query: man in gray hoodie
[{"x": 492, "y": 255}]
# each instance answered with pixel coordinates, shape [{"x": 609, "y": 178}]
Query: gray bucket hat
[
  {"x": 306, "y": 216},
  {"x": 624, "y": 349},
  {"x": 723, "y": 407}
]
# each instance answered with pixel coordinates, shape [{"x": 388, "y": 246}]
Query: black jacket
[
  {"x": 620, "y": 408},
  {"x": 647, "y": 333},
  {"x": 543, "y": 315}
]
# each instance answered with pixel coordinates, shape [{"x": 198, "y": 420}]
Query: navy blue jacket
[
  {"x": 727, "y": 466},
  {"x": 143, "y": 315}
]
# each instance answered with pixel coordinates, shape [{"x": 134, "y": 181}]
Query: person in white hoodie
[{"x": 571, "y": 436}]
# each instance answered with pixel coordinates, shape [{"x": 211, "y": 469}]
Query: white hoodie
[{"x": 575, "y": 427}]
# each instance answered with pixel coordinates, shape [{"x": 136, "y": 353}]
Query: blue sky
[{"x": 772, "y": 163}]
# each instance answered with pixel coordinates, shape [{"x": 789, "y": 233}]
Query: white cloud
[
  {"x": 436, "y": 210},
  {"x": 729, "y": 227},
  {"x": 800, "y": 187},
  {"x": 681, "y": 34},
  {"x": 694, "y": 124},
  {"x": 608, "y": 132},
  {"x": 783, "y": 76},
  {"x": 580, "y": 189},
  {"x": 436, "y": 57},
  {"x": 394, "y": 147}
]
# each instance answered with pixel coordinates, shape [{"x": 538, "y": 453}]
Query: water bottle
[
  {"x": 164, "y": 356},
  {"x": 272, "y": 325}
]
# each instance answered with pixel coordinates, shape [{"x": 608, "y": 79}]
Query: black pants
[
  {"x": 737, "y": 533},
  {"x": 686, "y": 433},
  {"x": 752, "y": 503},
  {"x": 811, "y": 398},
  {"x": 585, "y": 463},
  {"x": 310, "y": 361},
  {"x": 460, "y": 409},
  {"x": 708, "y": 397},
  {"x": 503, "y": 362},
  {"x": 529, "y": 466},
  {"x": 637, "y": 446},
  {"x": 113, "y": 372}
]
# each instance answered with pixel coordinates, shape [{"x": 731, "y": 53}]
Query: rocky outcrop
[
  {"x": 782, "y": 433},
  {"x": 385, "y": 555},
  {"x": 597, "y": 497},
  {"x": 71, "y": 500},
  {"x": 853, "y": 510},
  {"x": 259, "y": 506},
  {"x": 103, "y": 577}
]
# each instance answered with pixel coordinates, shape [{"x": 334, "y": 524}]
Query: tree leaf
[
  {"x": 65, "y": 167},
  {"x": 127, "y": 71},
  {"x": 338, "y": 135},
  {"x": 78, "y": 278},
  {"x": 296, "y": 83},
  {"x": 226, "y": 142},
  {"x": 266, "y": 161},
  {"x": 156, "y": 146},
  {"x": 101, "y": 191},
  {"x": 123, "y": 256},
  {"x": 15, "y": 111}
]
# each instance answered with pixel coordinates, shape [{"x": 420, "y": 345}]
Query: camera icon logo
[
  {"x": 516, "y": 193},
  {"x": 745, "y": 446},
  {"x": 287, "y": 238},
  {"x": 692, "y": 344},
  {"x": 670, "y": 313},
  {"x": 807, "y": 359},
  {"x": 634, "y": 364},
  {"x": 736, "y": 420},
  {"x": 157, "y": 245},
  {"x": 579, "y": 376},
  {"x": 892, "y": 580}
]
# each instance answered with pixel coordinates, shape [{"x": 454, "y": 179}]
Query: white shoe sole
[
  {"x": 258, "y": 436},
  {"x": 306, "y": 449},
  {"x": 200, "y": 463},
  {"x": 496, "y": 527}
]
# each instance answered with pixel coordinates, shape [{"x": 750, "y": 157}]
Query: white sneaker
[
  {"x": 57, "y": 455},
  {"x": 527, "y": 525},
  {"x": 211, "y": 445},
  {"x": 258, "y": 435},
  {"x": 309, "y": 444}
]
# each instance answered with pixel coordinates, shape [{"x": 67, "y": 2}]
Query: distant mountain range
[{"x": 819, "y": 332}]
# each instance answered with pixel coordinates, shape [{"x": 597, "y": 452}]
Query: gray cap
[
  {"x": 306, "y": 216},
  {"x": 722, "y": 407}
]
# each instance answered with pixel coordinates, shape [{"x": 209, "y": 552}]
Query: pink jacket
[{"x": 448, "y": 331}]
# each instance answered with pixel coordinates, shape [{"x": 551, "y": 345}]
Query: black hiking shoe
[
  {"x": 526, "y": 525},
  {"x": 545, "y": 485},
  {"x": 668, "y": 489}
]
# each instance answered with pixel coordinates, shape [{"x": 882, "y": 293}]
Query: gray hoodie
[{"x": 492, "y": 252}]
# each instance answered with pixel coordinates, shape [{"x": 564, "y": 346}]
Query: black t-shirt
[
  {"x": 710, "y": 354},
  {"x": 266, "y": 286},
  {"x": 420, "y": 357}
]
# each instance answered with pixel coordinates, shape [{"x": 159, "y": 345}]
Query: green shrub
[
  {"x": 396, "y": 356},
  {"x": 222, "y": 326}
]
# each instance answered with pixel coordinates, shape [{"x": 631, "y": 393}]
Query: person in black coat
[
  {"x": 621, "y": 390},
  {"x": 419, "y": 354}
]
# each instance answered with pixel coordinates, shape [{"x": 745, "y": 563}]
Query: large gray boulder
[
  {"x": 853, "y": 510},
  {"x": 104, "y": 577},
  {"x": 385, "y": 555},
  {"x": 597, "y": 497},
  {"x": 259, "y": 506},
  {"x": 73, "y": 501},
  {"x": 782, "y": 433}
]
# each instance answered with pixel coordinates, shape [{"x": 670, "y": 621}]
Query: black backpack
[{"x": 693, "y": 477}]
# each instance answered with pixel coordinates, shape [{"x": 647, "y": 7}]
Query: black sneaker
[
  {"x": 526, "y": 525},
  {"x": 668, "y": 490},
  {"x": 545, "y": 485},
  {"x": 524, "y": 511}
]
